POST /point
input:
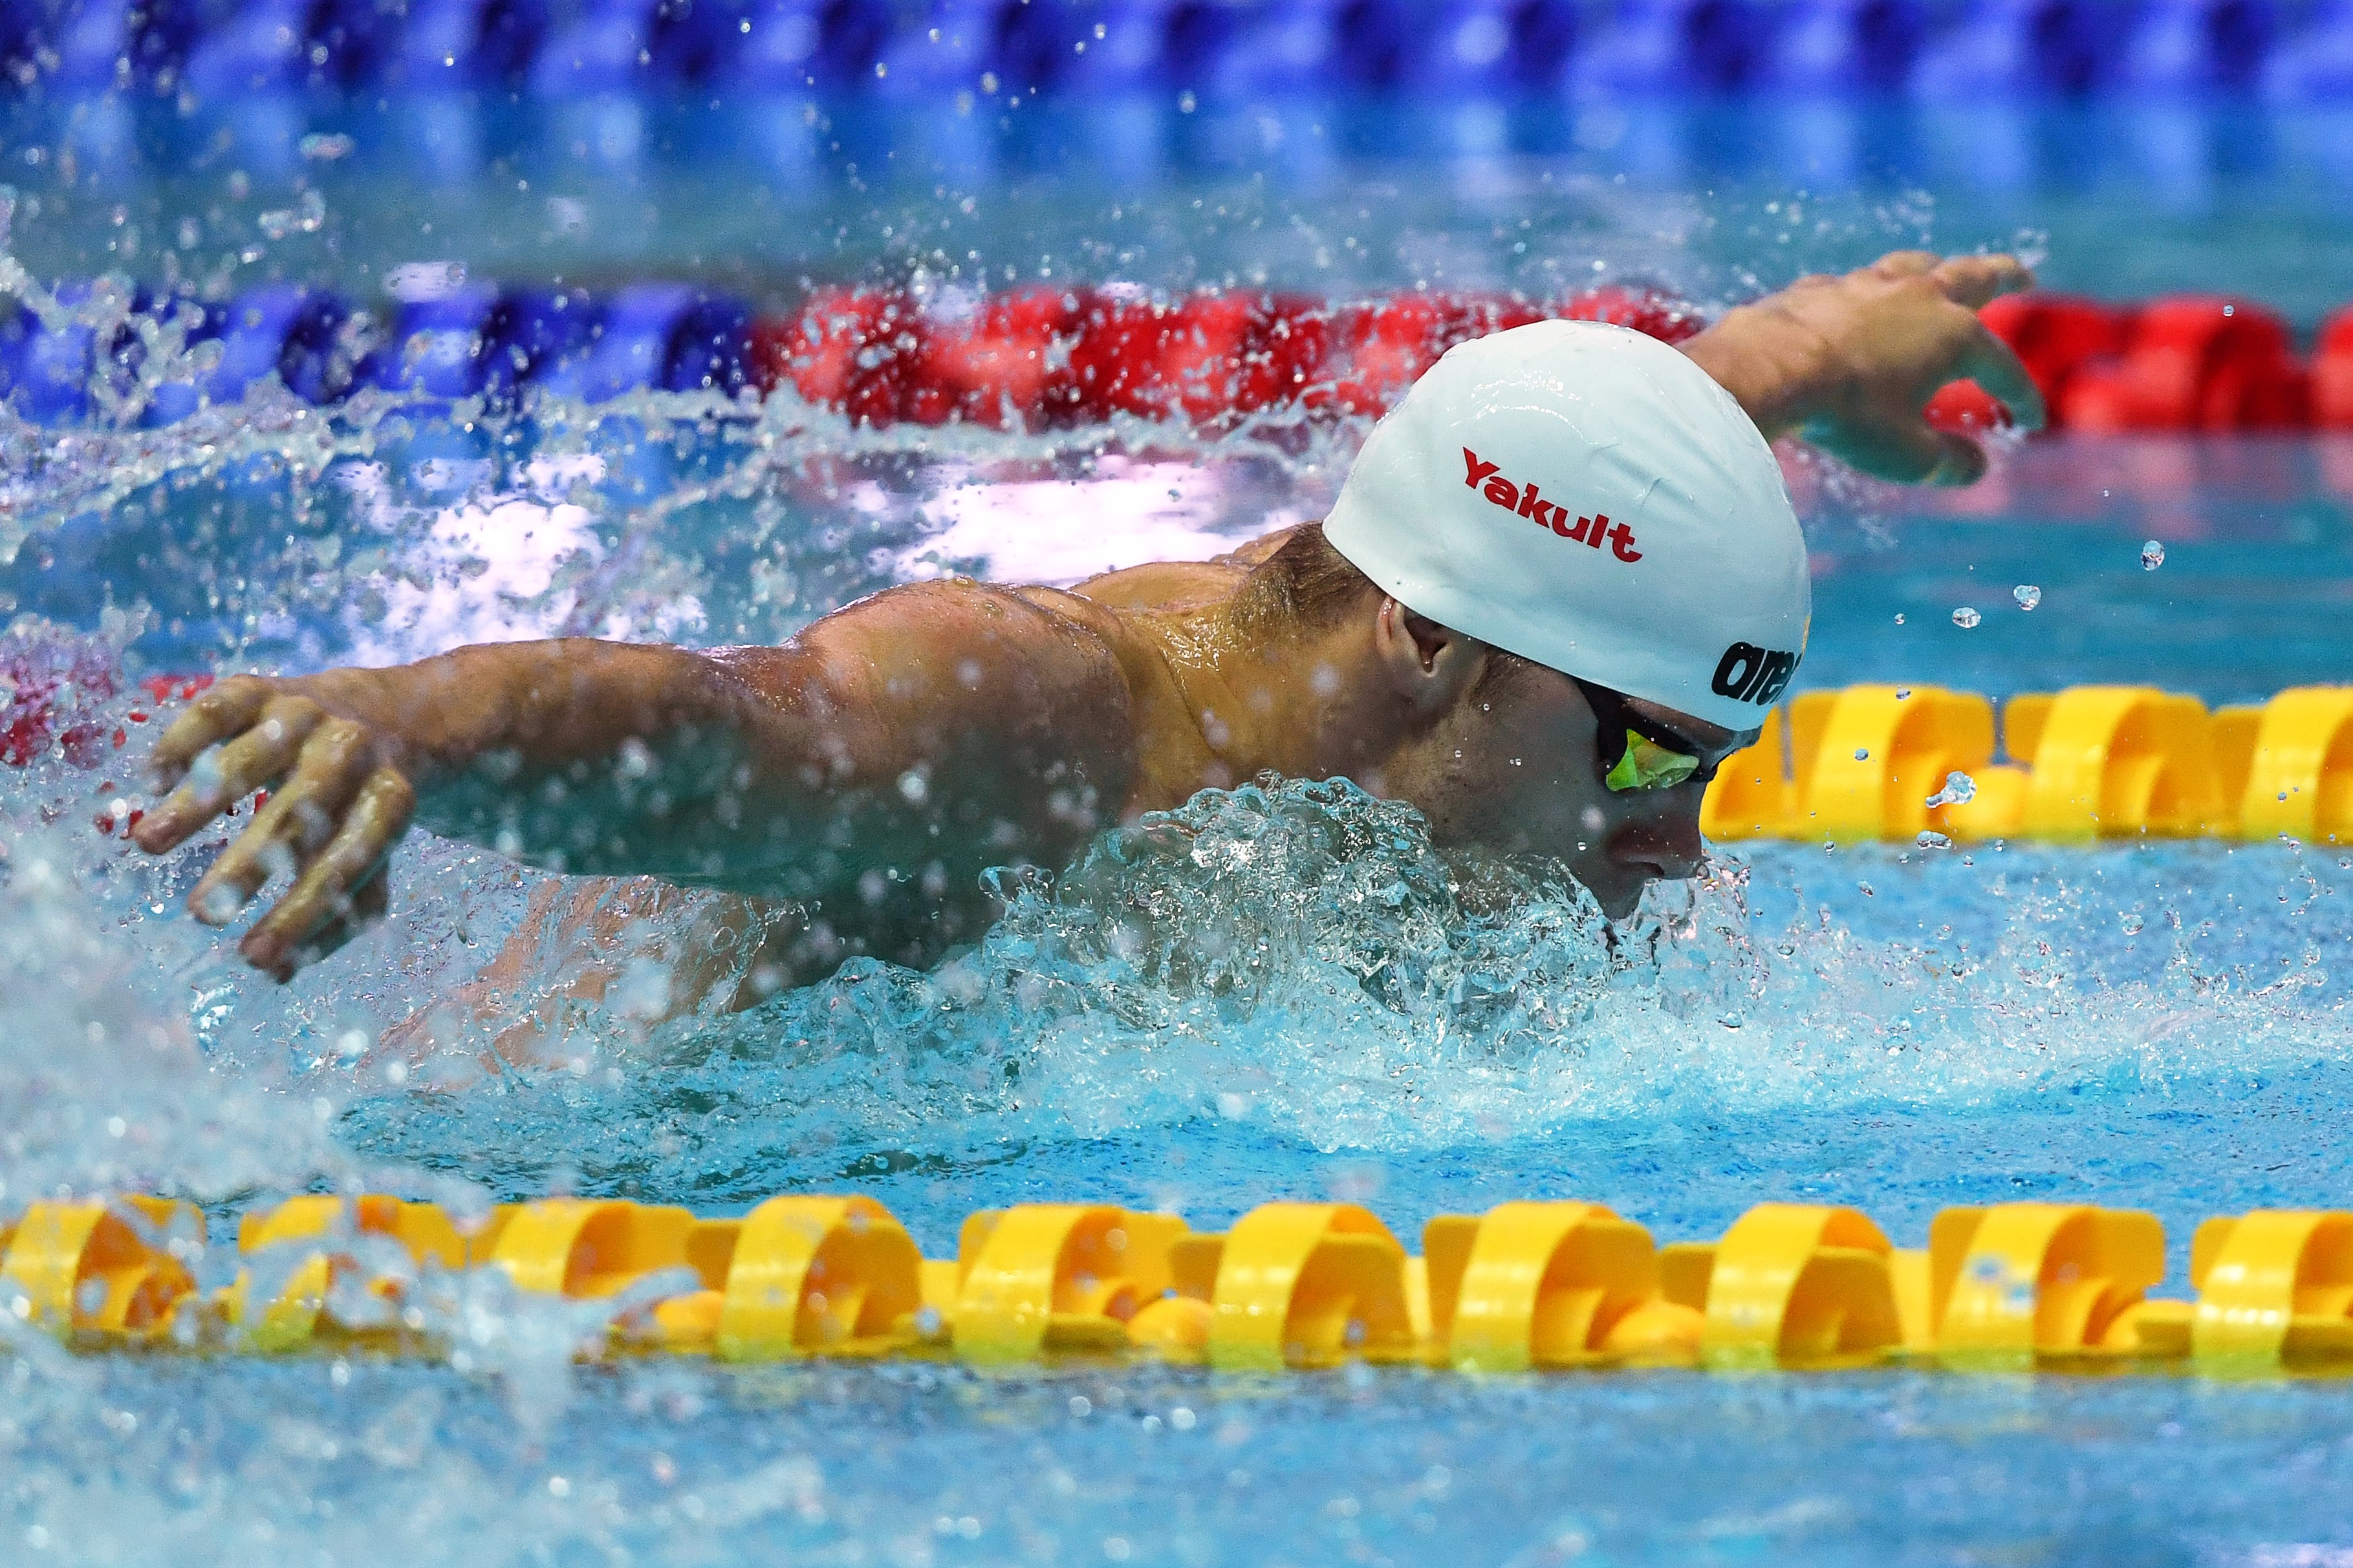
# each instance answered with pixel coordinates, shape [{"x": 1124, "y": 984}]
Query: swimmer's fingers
[
  {"x": 1995, "y": 366},
  {"x": 327, "y": 890},
  {"x": 1978, "y": 281},
  {"x": 370, "y": 901},
  {"x": 298, "y": 820},
  {"x": 228, "y": 709},
  {"x": 1975, "y": 281},
  {"x": 256, "y": 759},
  {"x": 1905, "y": 263}
]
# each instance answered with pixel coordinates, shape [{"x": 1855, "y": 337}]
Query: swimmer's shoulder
[
  {"x": 1162, "y": 586},
  {"x": 1137, "y": 637},
  {"x": 1181, "y": 584},
  {"x": 977, "y": 642},
  {"x": 1116, "y": 626}
]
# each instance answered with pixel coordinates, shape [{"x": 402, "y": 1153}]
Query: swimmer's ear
[{"x": 1429, "y": 666}]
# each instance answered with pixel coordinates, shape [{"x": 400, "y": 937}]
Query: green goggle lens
[{"x": 1649, "y": 765}]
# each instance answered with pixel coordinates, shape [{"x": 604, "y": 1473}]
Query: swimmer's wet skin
[{"x": 1562, "y": 582}]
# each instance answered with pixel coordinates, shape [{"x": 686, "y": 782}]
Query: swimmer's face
[{"x": 1517, "y": 772}]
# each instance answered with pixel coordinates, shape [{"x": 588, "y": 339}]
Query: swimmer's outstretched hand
[
  {"x": 1851, "y": 363},
  {"x": 339, "y": 801}
]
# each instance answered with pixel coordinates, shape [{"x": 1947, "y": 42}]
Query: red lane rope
[
  {"x": 1044, "y": 356},
  {"x": 2185, "y": 362},
  {"x": 1041, "y": 356}
]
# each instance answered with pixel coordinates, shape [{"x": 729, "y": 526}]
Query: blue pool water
[{"x": 1279, "y": 994}]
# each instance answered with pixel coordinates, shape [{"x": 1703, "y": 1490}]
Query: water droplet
[
  {"x": 1903, "y": 694},
  {"x": 2152, "y": 556},
  {"x": 1964, "y": 618},
  {"x": 2132, "y": 924},
  {"x": 2027, "y": 594},
  {"x": 1899, "y": 617},
  {"x": 1959, "y": 790},
  {"x": 1862, "y": 755},
  {"x": 1730, "y": 1020},
  {"x": 1931, "y": 839}
]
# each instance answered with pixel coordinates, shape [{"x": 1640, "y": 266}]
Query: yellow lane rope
[
  {"x": 1526, "y": 1286},
  {"x": 2090, "y": 762}
]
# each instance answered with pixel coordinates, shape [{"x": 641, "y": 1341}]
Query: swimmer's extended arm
[
  {"x": 1850, "y": 363},
  {"x": 947, "y": 725}
]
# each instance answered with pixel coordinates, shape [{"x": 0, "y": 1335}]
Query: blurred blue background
[{"x": 2140, "y": 148}]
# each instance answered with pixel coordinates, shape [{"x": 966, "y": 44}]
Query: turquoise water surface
[{"x": 1279, "y": 992}]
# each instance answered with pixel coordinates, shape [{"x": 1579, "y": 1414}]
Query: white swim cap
[{"x": 1588, "y": 497}]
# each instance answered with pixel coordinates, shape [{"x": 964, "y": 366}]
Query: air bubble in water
[
  {"x": 2027, "y": 594},
  {"x": 308, "y": 216},
  {"x": 1964, "y": 618},
  {"x": 2152, "y": 556},
  {"x": 1959, "y": 790}
]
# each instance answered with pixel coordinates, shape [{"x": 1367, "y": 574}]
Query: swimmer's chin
[
  {"x": 1619, "y": 907},
  {"x": 1487, "y": 882},
  {"x": 1620, "y": 900}
]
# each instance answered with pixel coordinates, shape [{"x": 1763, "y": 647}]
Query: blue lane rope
[{"x": 221, "y": 48}]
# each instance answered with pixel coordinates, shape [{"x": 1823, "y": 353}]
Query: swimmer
[{"x": 1562, "y": 583}]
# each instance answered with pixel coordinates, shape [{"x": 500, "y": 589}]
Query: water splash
[
  {"x": 1958, "y": 789},
  {"x": 1295, "y": 958},
  {"x": 99, "y": 1066}
]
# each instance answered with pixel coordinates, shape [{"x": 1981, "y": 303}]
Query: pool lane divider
[
  {"x": 1527, "y": 1285},
  {"x": 1395, "y": 53},
  {"x": 2086, "y": 764},
  {"x": 1045, "y": 356}
]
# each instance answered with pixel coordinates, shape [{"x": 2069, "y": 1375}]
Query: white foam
[{"x": 1059, "y": 531}]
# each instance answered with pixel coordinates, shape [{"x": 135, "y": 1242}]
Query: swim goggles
[{"x": 1653, "y": 755}]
